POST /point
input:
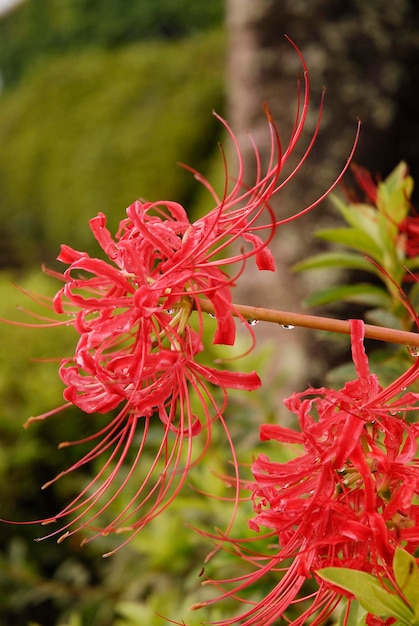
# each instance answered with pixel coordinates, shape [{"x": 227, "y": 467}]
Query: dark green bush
[
  {"x": 66, "y": 585},
  {"x": 95, "y": 130},
  {"x": 42, "y": 28}
]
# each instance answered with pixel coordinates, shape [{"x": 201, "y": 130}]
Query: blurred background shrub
[
  {"x": 99, "y": 102},
  {"x": 93, "y": 130}
]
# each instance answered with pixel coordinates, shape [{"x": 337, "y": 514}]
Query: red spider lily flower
[
  {"x": 159, "y": 267},
  {"x": 167, "y": 384},
  {"x": 348, "y": 500},
  {"x": 137, "y": 350},
  {"x": 140, "y": 327}
]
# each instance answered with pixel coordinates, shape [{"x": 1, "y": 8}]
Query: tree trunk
[{"x": 366, "y": 53}]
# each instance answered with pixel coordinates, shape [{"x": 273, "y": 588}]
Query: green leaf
[
  {"x": 406, "y": 573},
  {"x": 362, "y": 293},
  {"x": 394, "y": 192},
  {"x": 362, "y": 217},
  {"x": 383, "y": 317},
  {"x": 369, "y": 592},
  {"x": 352, "y": 617},
  {"x": 395, "y": 178},
  {"x": 337, "y": 259},
  {"x": 352, "y": 238}
]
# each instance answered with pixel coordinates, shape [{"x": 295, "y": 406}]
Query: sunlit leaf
[
  {"x": 363, "y": 218},
  {"x": 352, "y": 238},
  {"x": 406, "y": 573},
  {"x": 394, "y": 192},
  {"x": 351, "y": 617},
  {"x": 369, "y": 592},
  {"x": 362, "y": 293},
  {"x": 337, "y": 259}
]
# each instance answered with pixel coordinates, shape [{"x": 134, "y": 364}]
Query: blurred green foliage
[
  {"x": 92, "y": 131},
  {"x": 50, "y": 584},
  {"x": 42, "y": 28},
  {"x": 90, "y": 120}
]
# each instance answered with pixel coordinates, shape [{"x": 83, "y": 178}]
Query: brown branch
[{"x": 286, "y": 318}]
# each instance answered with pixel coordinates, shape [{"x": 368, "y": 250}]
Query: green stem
[{"x": 286, "y": 318}]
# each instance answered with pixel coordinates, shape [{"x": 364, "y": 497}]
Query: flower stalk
[{"x": 316, "y": 322}]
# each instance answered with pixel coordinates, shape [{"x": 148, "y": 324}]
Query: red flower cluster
[
  {"x": 348, "y": 500},
  {"x": 138, "y": 315},
  {"x": 133, "y": 315}
]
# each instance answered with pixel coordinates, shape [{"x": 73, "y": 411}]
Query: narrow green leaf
[
  {"x": 406, "y": 573},
  {"x": 369, "y": 592},
  {"x": 394, "y": 192},
  {"x": 383, "y": 317},
  {"x": 362, "y": 217},
  {"x": 337, "y": 259},
  {"x": 362, "y": 621},
  {"x": 362, "y": 293},
  {"x": 352, "y": 238},
  {"x": 396, "y": 177}
]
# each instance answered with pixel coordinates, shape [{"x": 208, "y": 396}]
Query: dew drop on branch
[
  {"x": 252, "y": 322},
  {"x": 287, "y": 326}
]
